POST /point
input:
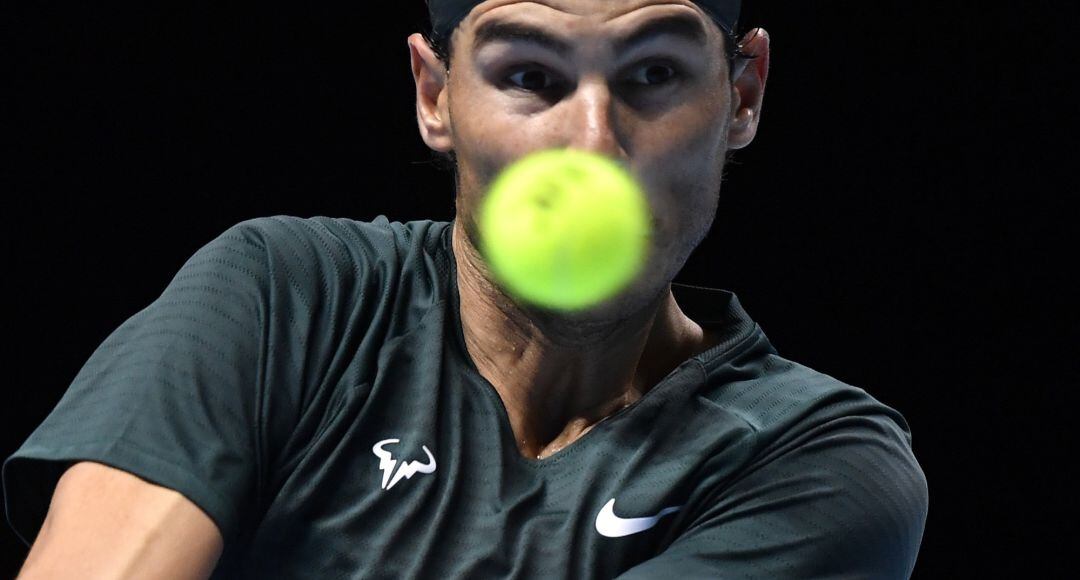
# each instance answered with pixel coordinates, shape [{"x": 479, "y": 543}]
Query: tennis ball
[{"x": 564, "y": 229}]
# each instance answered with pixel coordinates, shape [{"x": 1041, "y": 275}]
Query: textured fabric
[
  {"x": 445, "y": 15},
  {"x": 305, "y": 382}
]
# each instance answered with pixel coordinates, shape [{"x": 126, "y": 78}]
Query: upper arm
[
  {"x": 105, "y": 522},
  {"x": 216, "y": 388},
  {"x": 172, "y": 395},
  {"x": 848, "y": 500}
]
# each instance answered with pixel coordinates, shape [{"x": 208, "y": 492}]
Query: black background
[{"x": 900, "y": 221}]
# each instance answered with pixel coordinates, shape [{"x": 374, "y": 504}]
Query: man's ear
[
  {"x": 748, "y": 89},
  {"x": 431, "y": 86}
]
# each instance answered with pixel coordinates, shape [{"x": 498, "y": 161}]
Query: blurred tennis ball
[{"x": 564, "y": 229}]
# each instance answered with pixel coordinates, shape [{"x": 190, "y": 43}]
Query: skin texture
[
  {"x": 559, "y": 374},
  {"x": 108, "y": 523}
]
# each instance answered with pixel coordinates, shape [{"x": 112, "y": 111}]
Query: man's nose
[{"x": 592, "y": 122}]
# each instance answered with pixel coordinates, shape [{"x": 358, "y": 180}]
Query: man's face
[{"x": 662, "y": 104}]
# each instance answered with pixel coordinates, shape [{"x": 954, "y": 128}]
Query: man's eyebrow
[{"x": 682, "y": 26}]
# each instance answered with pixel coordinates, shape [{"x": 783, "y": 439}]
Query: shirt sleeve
[
  {"x": 170, "y": 396},
  {"x": 847, "y": 500}
]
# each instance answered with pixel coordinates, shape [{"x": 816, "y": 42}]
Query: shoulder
[
  {"x": 780, "y": 399},
  {"x": 306, "y": 257},
  {"x": 799, "y": 419},
  {"x": 824, "y": 460},
  {"x": 282, "y": 234},
  {"x": 338, "y": 240},
  {"x": 345, "y": 273}
]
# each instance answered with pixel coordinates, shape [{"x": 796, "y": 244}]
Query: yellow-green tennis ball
[{"x": 564, "y": 229}]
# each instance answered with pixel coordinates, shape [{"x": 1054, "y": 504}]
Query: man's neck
[{"x": 558, "y": 378}]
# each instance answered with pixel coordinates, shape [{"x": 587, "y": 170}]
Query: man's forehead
[
  {"x": 602, "y": 8},
  {"x": 682, "y": 25},
  {"x": 447, "y": 14}
]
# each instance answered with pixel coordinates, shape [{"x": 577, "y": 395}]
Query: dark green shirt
[{"x": 305, "y": 382}]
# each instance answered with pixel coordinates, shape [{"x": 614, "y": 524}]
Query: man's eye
[
  {"x": 531, "y": 79},
  {"x": 654, "y": 74},
  {"x": 650, "y": 75}
]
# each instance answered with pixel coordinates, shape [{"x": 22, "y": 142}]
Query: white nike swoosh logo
[{"x": 612, "y": 526}]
